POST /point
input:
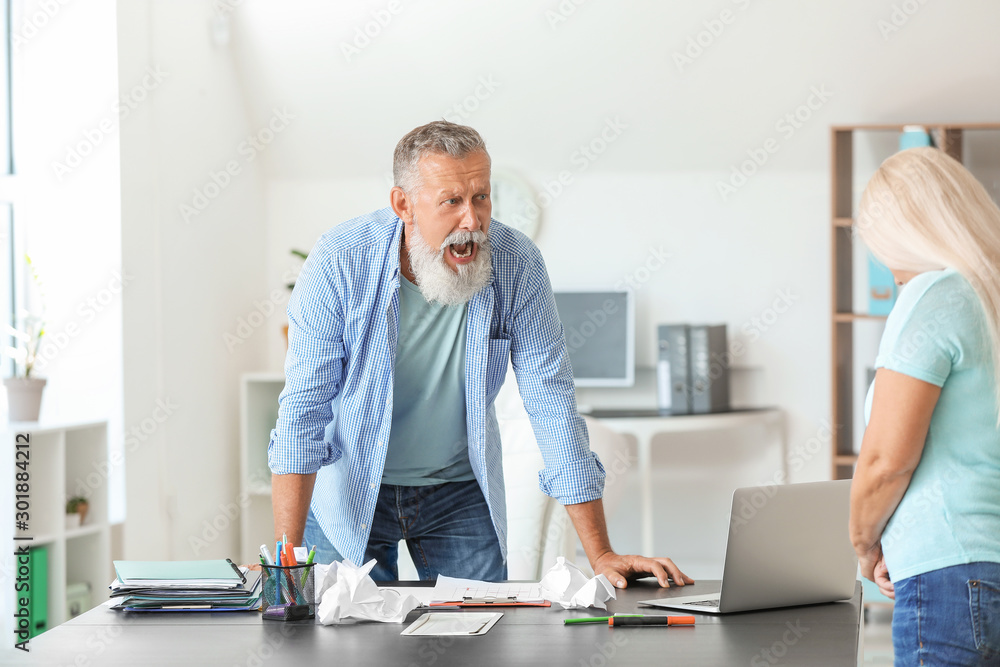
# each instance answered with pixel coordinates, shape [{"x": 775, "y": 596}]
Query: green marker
[
  {"x": 597, "y": 619},
  {"x": 309, "y": 561}
]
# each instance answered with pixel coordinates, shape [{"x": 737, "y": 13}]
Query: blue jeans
[
  {"x": 949, "y": 616},
  {"x": 447, "y": 528}
]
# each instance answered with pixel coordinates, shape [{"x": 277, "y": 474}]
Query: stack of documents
[{"x": 194, "y": 585}]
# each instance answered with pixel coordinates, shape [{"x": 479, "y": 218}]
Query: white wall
[
  {"x": 195, "y": 273},
  {"x": 552, "y": 86}
]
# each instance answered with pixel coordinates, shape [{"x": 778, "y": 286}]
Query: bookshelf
[
  {"x": 848, "y": 322},
  {"x": 67, "y": 460},
  {"x": 258, "y": 414}
]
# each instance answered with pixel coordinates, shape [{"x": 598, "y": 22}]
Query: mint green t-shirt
[
  {"x": 950, "y": 513},
  {"x": 427, "y": 441}
]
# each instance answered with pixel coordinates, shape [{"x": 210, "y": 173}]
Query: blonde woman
[{"x": 925, "y": 501}]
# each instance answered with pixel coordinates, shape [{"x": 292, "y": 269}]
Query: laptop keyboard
[{"x": 705, "y": 603}]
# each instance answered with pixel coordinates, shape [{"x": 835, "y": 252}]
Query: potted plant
[
  {"x": 24, "y": 391},
  {"x": 301, "y": 255},
  {"x": 76, "y": 511}
]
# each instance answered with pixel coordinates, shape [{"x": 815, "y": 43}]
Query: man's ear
[{"x": 402, "y": 204}]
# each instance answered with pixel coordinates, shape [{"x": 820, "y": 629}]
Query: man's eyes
[{"x": 454, "y": 200}]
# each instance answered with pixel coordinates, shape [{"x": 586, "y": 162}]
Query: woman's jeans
[
  {"x": 949, "y": 616},
  {"x": 447, "y": 528}
]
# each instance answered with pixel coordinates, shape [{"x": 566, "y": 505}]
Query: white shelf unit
[
  {"x": 67, "y": 460},
  {"x": 258, "y": 413}
]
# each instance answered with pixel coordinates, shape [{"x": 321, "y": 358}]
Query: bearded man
[{"x": 402, "y": 323}]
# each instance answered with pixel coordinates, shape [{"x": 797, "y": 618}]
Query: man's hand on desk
[
  {"x": 588, "y": 519},
  {"x": 619, "y": 569}
]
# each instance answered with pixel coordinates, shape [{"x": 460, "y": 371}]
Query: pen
[
  {"x": 266, "y": 554},
  {"x": 277, "y": 553},
  {"x": 596, "y": 619},
  {"x": 650, "y": 620}
]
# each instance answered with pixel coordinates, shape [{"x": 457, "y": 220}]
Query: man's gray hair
[{"x": 452, "y": 139}]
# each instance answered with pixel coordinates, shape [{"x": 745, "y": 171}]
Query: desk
[
  {"x": 817, "y": 636},
  {"x": 647, "y": 424}
]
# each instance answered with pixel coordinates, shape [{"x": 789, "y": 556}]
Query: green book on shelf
[{"x": 38, "y": 593}]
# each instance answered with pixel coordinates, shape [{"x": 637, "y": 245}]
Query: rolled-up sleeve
[
  {"x": 313, "y": 370},
  {"x": 572, "y": 473}
]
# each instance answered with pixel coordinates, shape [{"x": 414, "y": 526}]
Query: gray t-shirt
[{"x": 428, "y": 442}]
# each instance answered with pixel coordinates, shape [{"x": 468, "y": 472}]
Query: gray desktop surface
[{"x": 816, "y": 635}]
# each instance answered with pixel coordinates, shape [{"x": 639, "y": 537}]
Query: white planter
[{"x": 24, "y": 398}]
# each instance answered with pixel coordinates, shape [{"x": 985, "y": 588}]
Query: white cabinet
[{"x": 63, "y": 460}]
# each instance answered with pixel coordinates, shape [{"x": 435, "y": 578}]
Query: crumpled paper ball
[
  {"x": 566, "y": 584},
  {"x": 345, "y": 592}
]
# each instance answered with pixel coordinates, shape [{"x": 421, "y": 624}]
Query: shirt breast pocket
[{"x": 497, "y": 356}]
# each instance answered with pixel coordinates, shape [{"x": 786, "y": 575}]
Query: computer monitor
[{"x": 600, "y": 336}]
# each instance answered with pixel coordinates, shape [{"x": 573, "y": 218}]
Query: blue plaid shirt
[{"x": 335, "y": 411}]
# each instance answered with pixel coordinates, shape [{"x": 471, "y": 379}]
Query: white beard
[{"x": 438, "y": 281}]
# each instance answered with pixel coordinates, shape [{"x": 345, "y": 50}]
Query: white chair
[{"x": 538, "y": 527}]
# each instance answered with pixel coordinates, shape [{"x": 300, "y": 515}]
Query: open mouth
[{"x": 462, "y": 250}]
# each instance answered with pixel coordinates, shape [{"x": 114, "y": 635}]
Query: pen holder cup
[{"x": 289, "y": 592}]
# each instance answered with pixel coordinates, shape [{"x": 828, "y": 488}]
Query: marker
[
  {"x": 597, "y": 619},
  {"x": 266, "y": 554},
  {"x": 309, "y": 561},
  {"x": 290, "y": 554},
  {"x": 650, "y": 620}
]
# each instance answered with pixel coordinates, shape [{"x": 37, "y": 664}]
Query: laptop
[{"x": 788, "y": 546}]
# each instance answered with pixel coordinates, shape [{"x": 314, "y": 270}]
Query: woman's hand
[
  {"x": 869, "y": 559},
  {"x": 882, "y": 579},
  {"x": 873, "y": 568}
]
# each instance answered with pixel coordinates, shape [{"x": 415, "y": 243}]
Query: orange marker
[{"x": 618, "y": 621}]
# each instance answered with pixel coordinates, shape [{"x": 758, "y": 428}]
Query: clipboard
[{"x": 491, "y": 602}]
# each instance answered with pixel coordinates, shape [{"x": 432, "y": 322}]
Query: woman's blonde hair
[{"x": 924, "y": 211}]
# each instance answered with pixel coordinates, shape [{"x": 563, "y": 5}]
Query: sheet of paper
[
  {"x": 423, "y": 594},
  {"x": 452, "y": 623},
  {"x": 450, "y": 589}
]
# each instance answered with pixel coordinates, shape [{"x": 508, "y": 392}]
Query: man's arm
[
  {"x": 313, "y": 369},
  {"x": 572, "y": 473},
  {"x": 588, "y": 519},
  {"x": 290, "y": 496}
]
